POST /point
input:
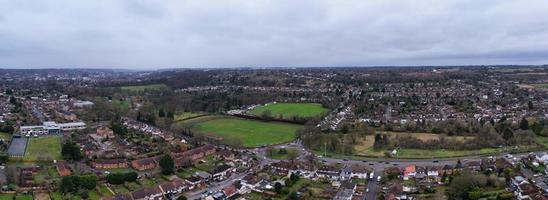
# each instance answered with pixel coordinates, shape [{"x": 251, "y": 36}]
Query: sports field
[
  {"x": 251, "y": 133},
  {"x": 289, "y": 110},
  {"x": 43, "y": 148},
  {"x": 140, "y": 88}
]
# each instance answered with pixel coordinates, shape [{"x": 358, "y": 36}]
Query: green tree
[
  {"x": 161, "y": 113},
  {"x": 475, "y": 194},
  {"x": 116, "y": 178},
  {"x": 71, "y": 151},
  {"x": 131, "y": 176},
  {"x": 294, "y": 177},
  {"x": 181, "y": 198},
  {"x": 118, "y": 128},
  {"x": 88, "y": 181},
  {"x": 278, "y": 188},
  {"x": 507, "y": 134},
  {"x": 293, "y": 196},
  {"x": 167, "y": 165},
  {"x": 524, "y": 124},
  {"x": 69, "y": 184}
]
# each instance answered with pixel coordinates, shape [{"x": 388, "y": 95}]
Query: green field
[
  {"x": 6, "y": 196},
  {"x": 5, "y": 136},
  {"x": 282, "y": 155},
  {"x": 186, "y": 115},
  {"x": 289, "y": 110},
  {"x": 121, "y": 104},
  {"x": 141, "y": 88},
  {"x": 250, "y": 133},
  {"x": 540, "y": 85},
  {"x": 43, "y": 148}
]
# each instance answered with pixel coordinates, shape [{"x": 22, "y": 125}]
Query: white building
[{"x": 50, "y": 127}]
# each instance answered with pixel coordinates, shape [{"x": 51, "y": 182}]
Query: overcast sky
[{"x": 255, "y": 33}]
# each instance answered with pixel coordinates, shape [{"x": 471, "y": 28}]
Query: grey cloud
[{"x": 154, "y": 34}]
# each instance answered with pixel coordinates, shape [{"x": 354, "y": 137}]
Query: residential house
[
  {"x": 105, "y": 132},
  {"x": 63, "y": 169},
  {"x": 446, "y": 169},
  {"x": 188, "y": 157},
  {"x": 148, "y": 193},
  {"x": 226, "y": 155},
  {"x": 221, "y": 172},
  {"x": 230, "y": 191},
  {"x": 525, "y": 191},
  {"x": 473, "y": 165},
  {"x": 329, "y": 171},
  {"x": 110, "y": 164},
  {"x": 409, "y": 172},
  {"x": 144, "y": 164},
  {"x": 193, "y": 181},
  {"x": 173, "y": 187}
]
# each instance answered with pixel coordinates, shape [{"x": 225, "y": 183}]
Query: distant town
[{"x": 343, "y": 133}]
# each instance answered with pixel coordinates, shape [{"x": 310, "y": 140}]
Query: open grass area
[
  {"x": 540, "y": 85},
  {"x": 56, "y": 196},
  {"x": 122, "y": 104},
  {"x": 187, "y": 115},
  {"x": 282, "y": 154},
  {"x": 4, "y": 136},
  {"x": 365, "y": 148},
  {"x": 24, "y": 197},
  {"x": 441, "y": 153},
  {"x": 104, "y": 191},
  {"x": 251, "y": 133},
  {"x": 290, "y": 110},
  {"x": 542, "y": 141},
  {"x": 426, "y": 136},
  {"x": 6, "y": 196},
  {"x": 43, "y": 148},
  {"x": 141, "y": 88}
]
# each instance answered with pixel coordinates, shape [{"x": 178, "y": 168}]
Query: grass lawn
[
  {"x": 24, "y": 197},
  {"x": 141, "y": 88},
  {"x": 122, "y": 104},
  {"x": 120, "y": 170},
  {"x": 94, "y": 195},
  {"x": 281, "y": 155},
  {"x": 365, "y": 148},
  {"x": 104, "y": 191},
  {"x": 426, "y": 153},
  {"x": 56, "y": 196},
  {"x": 187, "y": 172},
  {"x": 289, "y": 110},
  {"x": 542, "y": 141},
  {"x": 43, "y": 148},
  {"x": 251, "y": 133},
  {"x": 5, "y": 136},
  {"x": 6, "y": 196},
  {"x": 120, "y": 189},
  {"x": 186, "y": 115}
]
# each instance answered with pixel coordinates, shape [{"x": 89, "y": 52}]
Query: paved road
[{"x": 372, "y": 187}]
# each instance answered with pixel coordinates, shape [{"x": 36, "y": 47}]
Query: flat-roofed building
[{"x": 51, "y": 128}]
